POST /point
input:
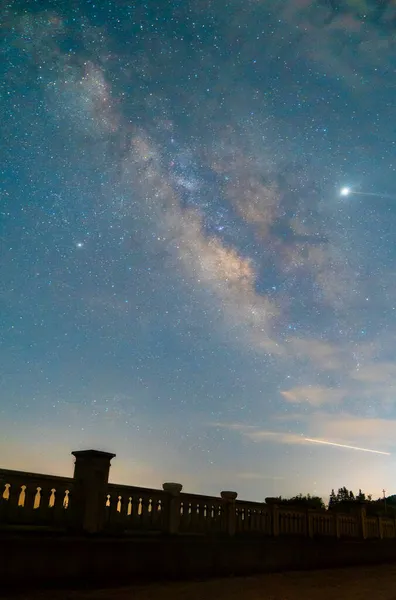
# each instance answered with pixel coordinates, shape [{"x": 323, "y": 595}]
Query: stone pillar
[
  {"x": 337, "y": 525},
  {"x": 362, "y": 522},
  {"x": 272, "y": 503},
  {"x": 275, "y": 519},
  {"x": 229, "y": 511},
  {"x": 310, "y": 529},
  {"x": 88, "y": 501},
  {"x": 380, "y": 530},
  {"x": 173, "y": 506}
]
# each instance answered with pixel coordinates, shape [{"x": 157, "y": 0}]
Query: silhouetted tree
[
  {"x": 361, "y": 497},
  {"x": 307, "y": 501},
  {"x": 333, "y": 499},
  {"x": 345, "y": 499}
]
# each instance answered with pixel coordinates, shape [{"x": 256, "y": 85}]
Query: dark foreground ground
[{"x": 368, "y": 583}]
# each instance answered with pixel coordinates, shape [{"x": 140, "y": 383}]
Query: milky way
[{"x": 181, "y": 281}]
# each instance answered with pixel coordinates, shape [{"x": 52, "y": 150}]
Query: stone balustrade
[
  {"x": 88, "y": 502},
  {"x": 34, "y": 499},
  {"x": 202, "y": 514},
  {"x": 253, "y": 517},
  {"x": 131, "y": 508}
]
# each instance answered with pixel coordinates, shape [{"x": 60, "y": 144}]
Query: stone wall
[{"x": 32, "y": 561}]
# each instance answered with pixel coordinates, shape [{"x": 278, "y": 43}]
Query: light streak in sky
[
  {"x": 347, "y": 191},
  {"x": 325, "y": 442}
]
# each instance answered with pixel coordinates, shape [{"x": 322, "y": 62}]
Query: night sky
[{"x": 181, "y": 281}]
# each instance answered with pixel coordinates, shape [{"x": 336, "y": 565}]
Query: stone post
[
  {"x": 337, "y": 525},
  {"x": 272, "y": 503},
  {"x": 310, "y": 528},
  {"x": 362, "y": 522},
  {"x": 359, "y": 513},
  {"x": 173, "y": 509},
  {"x": 380, "y": 530},
  {"x": 229, "y": 511},
  {"x": 275, "y": 519},
  {"x": 88, "y": 501}
]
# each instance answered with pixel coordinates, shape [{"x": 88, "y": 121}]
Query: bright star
[
  {"x": 79, "y": 244},
  {"x": 345, "y": 191}
]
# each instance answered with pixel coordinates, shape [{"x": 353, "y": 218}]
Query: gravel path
[{"x": 377, "y": 583}]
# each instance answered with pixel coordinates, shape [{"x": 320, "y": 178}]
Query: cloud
[
  {"x": 278, "y": 437},
  {"x": 327, "y": 356},
  {"x": 256, "y": 434},
  {"x": 367, "y": 385},
  {"x": 343, "y": 430},
  {"x": 347, "y": 40},
  {"x": 376, "y": 373},
  {"x": 257, "y": 476},
  {"x": 352, "y": 429},
  {"x": 315, "y": 395},
  {"x": 242, "y": 428}
]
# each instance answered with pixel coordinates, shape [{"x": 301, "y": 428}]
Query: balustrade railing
[
  {"x": 34, "y": 499},
  {"x": 372, "y": 529},
  {"x": 323, "y": 524},
  {"x": 253, "y": 517},
  {"x": 37, "y": 500},
  {"x": 348, "y": 525},
  {"x": 292, "y": 522},
  {"x": 134, "y": 508},
  {"x": 201, "y": 514},
  {"x": 387, "y": 528}
]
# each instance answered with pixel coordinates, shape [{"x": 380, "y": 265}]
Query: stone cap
[
  {"x": 272, "y": 500},
  {"x": 93, "y": 454},
  {"x": 172, "y": 488},
  {"x": 227, "y": 495}
]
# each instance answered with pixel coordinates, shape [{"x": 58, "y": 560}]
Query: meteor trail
[
  {"x": 345, "y": 446},
  {"x": 346, "y": 191}
]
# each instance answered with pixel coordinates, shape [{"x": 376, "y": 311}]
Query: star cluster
[{"x": 182, "y": 279}]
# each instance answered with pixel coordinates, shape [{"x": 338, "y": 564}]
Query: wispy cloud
[
  {"x": 327, "y": 356},
  {"x": 258, "y": 476},
  {"x": 376, "y": 373},
  {"x": 325, "y": 34},
  {"x": 324, "y": 429},
  {"x": 314, "y": 395}
]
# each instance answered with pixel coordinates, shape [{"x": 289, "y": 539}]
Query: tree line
[{"x": 343, "y": 500}]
